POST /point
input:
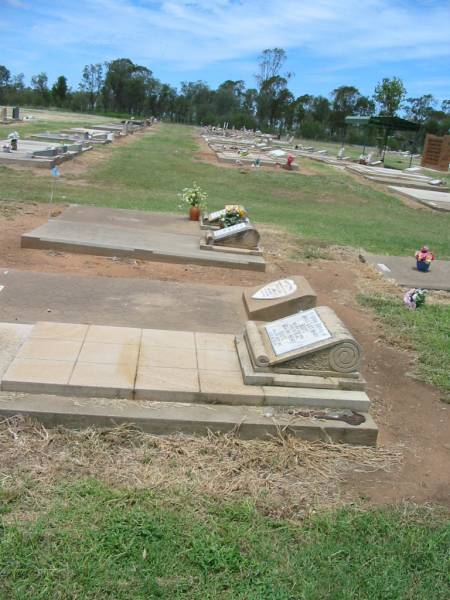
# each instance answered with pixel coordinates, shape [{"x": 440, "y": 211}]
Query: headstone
[
  {"x": 242, "y": 235},
  {"x": 16, "y": 113},
  {"x": 436, "y": 153},
  {"x": 3, "y": 114},
  {"x": 212, "y": 220},
  {"x": 279, "y": 298},
  {"x": 310, "y": 341}
]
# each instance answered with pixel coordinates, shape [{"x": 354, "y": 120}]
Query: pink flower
[{"x": 424, "y": 255}]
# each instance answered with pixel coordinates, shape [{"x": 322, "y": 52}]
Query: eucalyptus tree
[{"x": 389, "y": 94}]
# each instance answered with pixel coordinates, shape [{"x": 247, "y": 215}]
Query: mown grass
[
  {"x": 328, "y": 206},
  {"x": 96, "y": 542},
  {"x": 25, "y": 130},
  {"x": 425, "y": 330}
]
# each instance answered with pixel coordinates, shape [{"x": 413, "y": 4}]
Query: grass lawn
[
  {"x": 95, "y": 542},
  {"x": 328, "y": 206},
  {"x": 425, "y": 330}
]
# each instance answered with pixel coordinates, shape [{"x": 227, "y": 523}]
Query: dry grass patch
[{"x": 284, "y": 477}]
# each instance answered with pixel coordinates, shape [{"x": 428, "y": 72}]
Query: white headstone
[
  {"x": 232, "y": 230},
  {"x": 217, "y": 214},
  {"x": 276, "y": 289},
  {"x": 297, "y": 331}
]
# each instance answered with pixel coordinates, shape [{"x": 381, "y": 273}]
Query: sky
[{"x": 328, "y": 42}]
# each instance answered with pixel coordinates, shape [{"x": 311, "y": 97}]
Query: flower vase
[
  {"x": 194, "y": 213},
  {"x": 422, "y": 265}
]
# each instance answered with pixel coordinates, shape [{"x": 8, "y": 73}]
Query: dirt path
[{"x": 409, "y": 413}]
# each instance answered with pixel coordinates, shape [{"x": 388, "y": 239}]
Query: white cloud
[
  {"x": 193, "y": 35},
  {"x": 204, "y": 32}
]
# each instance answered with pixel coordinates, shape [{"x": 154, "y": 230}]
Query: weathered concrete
[
  {"x": 437, "y": 200},
  {"x": 146, "y": 236},
  {"x": 418, "y": 185},
  {"x": 28, "y": 297},
  {"x": 402, "y": 269},
  {"x": 149, "y": 364},
  {"x": 164, "y": 418},
  {"x": 12, "y": 337}
]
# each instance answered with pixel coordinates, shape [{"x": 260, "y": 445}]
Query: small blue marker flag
[{"x": 55, "y": 172}]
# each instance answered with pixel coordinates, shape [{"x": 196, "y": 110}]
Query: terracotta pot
[{"x": 194, "y": 213}]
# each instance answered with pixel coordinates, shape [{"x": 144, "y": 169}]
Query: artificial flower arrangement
[
  {"x": 234, "y": 214},
  {"x": 414, "y": 298},
  {"x": 14, "y": 137},
  {"x": 194, "y": 196},
  {"x": 424, "y": 258}
]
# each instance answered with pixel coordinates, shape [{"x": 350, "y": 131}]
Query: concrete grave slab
[
  {"x": 279, "y": 298},
  {"x": 162, "y": 418},
  {"x": 402, "y": 269},
  {"x": 29, "y": 297},
  {"x": 436, "y": 200},
  {"x": 135, "y": 235}
]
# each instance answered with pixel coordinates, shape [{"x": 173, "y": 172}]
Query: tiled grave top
[
  {"x": 148, "y": 364},
  {"x": 103, "y": 361}
]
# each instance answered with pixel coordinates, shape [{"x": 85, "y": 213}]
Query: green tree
[
  {"x": 389, "y": 94},
  {"x": 420, "y": 109},
  {"x": 39, "y": 84},
  {"x": 126, "y": 86},
  {"x": 345, "y": 101},
  {"x": 273, "y": 98},
  {"x": 59, "y": 90},
  {"x": 92, "y": 83},
  {"x": 5, "y": 76}
]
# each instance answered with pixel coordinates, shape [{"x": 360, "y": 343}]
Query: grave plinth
[
  {"x": 242, "y": 238},
  {"x": 312, "y": 347},
  {"x": 279, "y": 298}
]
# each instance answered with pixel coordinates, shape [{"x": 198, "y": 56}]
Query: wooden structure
[{"x": 436, "y": 153}]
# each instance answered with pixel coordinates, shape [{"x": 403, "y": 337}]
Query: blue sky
[{"x": 328, "y": 42}]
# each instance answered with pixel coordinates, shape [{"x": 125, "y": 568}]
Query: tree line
[{"x": 123, "y": 87}]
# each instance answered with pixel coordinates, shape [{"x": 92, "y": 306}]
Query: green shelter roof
[{"x": 392, "y": 123}]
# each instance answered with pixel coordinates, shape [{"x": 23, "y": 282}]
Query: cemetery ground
[{"x": 97, "y": 514}]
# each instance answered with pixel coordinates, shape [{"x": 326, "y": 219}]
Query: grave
[
  {"x": 402, "y": 270},
  {"x": 135, "y": 234},
  {"x": 239, "y": 238},
  {"x": 436, "y": 200},
  {"x": 279, "y": 298},
  {"x": 163, "y": 381}
]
